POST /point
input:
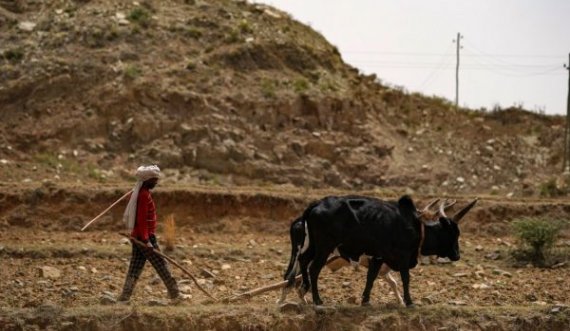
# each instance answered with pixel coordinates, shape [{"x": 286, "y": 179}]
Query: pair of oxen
[{"x": 384, "y": 235}]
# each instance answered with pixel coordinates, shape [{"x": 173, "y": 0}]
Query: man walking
[{"x": 140, "y": 218}]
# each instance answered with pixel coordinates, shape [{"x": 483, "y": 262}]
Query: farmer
[{"x": 140, "y": 218}]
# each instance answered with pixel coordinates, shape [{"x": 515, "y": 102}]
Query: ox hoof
[
  {"x": 411, "y": 305},
  {"x": 365, "y": 304}
]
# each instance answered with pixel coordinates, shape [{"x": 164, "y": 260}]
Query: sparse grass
[
  {"x": 191, "y": 65},
  {"x": 268, "y": 88},
  {"x": 550, "y": 189},
  {"x": 193, "y": 32},
  {"x": 59, "y": 163},
  {"x": 112, "y": 33},
  {"x": 328, "y": 86},
  {"x": 140, "y": 16},
  {"x": 97, "y": 37},
  {"x": 300, "y": 85},
  {"x": 132, "y": 72},
  {"x": 94, "y": 173},
  {"x": 13, "y": 55},
  {"x": 169, "y": 233},
  {"x": 233, "y": 36},
  {"x": 245, "y": 27}
]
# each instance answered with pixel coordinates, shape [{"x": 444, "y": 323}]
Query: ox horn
[
  {"x": 442, "y": 210},
  {"x": 446, "y": 205},
  {"x": 464, "y": 211},
  {"x": 426, "y": 208}
]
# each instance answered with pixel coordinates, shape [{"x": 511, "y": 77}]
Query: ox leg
[
  {"x": 385, "y": 273},
  {"x": 405, "y": 275},
  {"x": 284, "y": 293},
  {"x": 304, "y": 261},
  {"x": 314, "y": 271},
  {"x": 373, "y": 269},
  {"x": 297, "y": 283}
]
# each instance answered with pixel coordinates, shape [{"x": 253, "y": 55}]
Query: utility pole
[
  {"x": 565, "y": 166},
  {"x": 458, "y": 41}
]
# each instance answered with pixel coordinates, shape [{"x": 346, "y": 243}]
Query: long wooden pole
[
  {"x": 334, "y": 263},
  {"x": 171, "y": 260},
  {"x": 106, "y": 210},
  {"x": 260, "y": 290}
]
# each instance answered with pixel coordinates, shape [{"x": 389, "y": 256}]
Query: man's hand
[{"x": 154, "y": 242}]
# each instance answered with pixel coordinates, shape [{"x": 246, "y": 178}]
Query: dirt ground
[{"x": 233, "y": 254}]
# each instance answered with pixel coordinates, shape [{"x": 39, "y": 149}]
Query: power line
[
  {"x": 440, "y": 54},
  {"x": 437, "y": 64},
  {"x": 510, "y": 70},
  {"x": 438, "y": 69}
]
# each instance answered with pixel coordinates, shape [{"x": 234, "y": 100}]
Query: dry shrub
[{"x": 169, "y": 233}]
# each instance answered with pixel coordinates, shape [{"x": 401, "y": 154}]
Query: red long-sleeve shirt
[{"x": 145, "y": 224}]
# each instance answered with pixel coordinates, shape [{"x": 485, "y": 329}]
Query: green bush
[
  {"x": 536, "y": 236},
  {"x": 244, "y": 27},
  {"x": 268, "y": 88},
  {"x": 550, "y": 189},
  {"x": 132, "y": 72},
  {"x": 141, "y": 16},
  {"x": 14, "y": 55},
  {"x": 233, "y": 36},
  {"x": 300, "y": 85}
]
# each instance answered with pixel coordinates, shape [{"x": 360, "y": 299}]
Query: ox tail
[
  {"x": 296, "y": 234},
  {"x": 300, "y": 243}
]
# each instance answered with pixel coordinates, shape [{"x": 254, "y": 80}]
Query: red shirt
[{"x": 145, "y": 224}]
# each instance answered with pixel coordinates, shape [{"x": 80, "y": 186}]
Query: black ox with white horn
[
  {"x": 390, "y": 231},
  {"x": 300, "y": 245}
]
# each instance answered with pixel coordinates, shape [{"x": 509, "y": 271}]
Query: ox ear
[
  {"x": 406, "y": 205},
  {"x": 406, "y": 201},
  {"x": 457, "y": 217}
]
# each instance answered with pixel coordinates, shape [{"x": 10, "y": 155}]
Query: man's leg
[
  {"x": 136, "y": 265},
  {"x": 161, "y": 268}
]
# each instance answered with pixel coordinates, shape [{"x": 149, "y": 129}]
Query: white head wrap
[{"x": 143, "y": 173}]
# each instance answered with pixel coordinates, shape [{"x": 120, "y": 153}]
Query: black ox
[
  {"x": 389, "y": 231},
  {"x": 300, "y": 244}
]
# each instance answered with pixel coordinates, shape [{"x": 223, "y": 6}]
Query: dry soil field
[{"x": 236, "y": 241}]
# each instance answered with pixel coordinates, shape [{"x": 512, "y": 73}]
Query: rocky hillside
[{"x": 224, "y": 92}]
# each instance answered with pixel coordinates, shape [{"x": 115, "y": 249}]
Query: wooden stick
[
  {"x": 334, "y": 263},
  {"x": 106, "y": 210},
  {"x": 171, "y": 260},
  {"x": 261, "y": 290}
]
